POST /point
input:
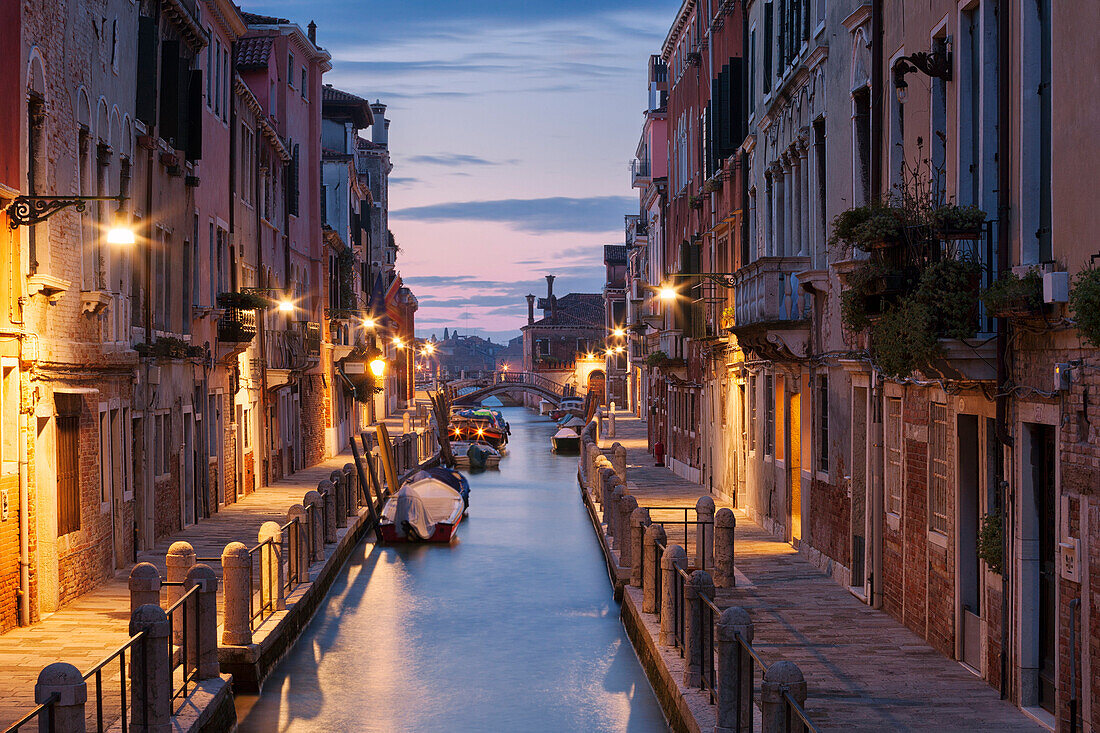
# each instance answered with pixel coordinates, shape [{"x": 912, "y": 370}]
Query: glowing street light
[
  {"x": 608, "y": 352},
  {"x": 503, "y": 367},
  {"x": 618, "y": 333},
  {"x": 620, "y": 349},
  {"x": 667, "y": 293},
  {"x": 285, "y": 306},
  {"x": 398, "y": 342},
  {"x": 429, "y": 347},
  {"x": 378, "y": 366},
  {"x": 120, "y": 233},
  {"x": 369, "y": 322}
]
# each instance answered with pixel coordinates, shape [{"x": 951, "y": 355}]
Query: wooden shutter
[
  {"x": 68, "y": 463},
  {"x": 146, "y": 109},
  {"x": 194, "y": 114},
  {"x": 169, "y": 117}
]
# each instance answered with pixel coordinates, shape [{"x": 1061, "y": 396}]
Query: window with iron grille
[
  {"x": 769, "y": 415},
  {"x": 751, "y": 413},
  {"x": 937, "y": 484},
  {"x": 823, "y": 423},
  {"x": 68, "y": 462},
  {"x": 892, "y": 430}
]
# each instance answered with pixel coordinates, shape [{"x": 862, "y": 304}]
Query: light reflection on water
[{"x": 511, "y": 628}]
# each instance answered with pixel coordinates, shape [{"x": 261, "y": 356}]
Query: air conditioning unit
[
  {"x": 1055, "y": 287},
  {"x": 153, "y": 375}
]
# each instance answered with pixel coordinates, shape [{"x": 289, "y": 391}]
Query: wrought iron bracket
[
  {"x": 31, "y": 210},
  {"x": 935, "y": 64},
  {"x": 722, "y": 279}
]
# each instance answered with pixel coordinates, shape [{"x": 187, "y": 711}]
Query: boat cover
[
  {"x": 572, "y": 422},
  {"x": 423, "y": 504},
  {"x": 449, "y": 476},
  {"x": 566, "y": 433}
]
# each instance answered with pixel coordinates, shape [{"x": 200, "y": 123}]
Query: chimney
[
  {"x": 530, "y": 309},
  {"x": 380, "y": 131},
  {"x": 312, "y": 32}
]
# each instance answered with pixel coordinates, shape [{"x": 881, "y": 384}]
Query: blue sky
[{"x": 512, "y": 127}]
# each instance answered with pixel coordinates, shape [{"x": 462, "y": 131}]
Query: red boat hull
[{"x": 443, "y": 533}]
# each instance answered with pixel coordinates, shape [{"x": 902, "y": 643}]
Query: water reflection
[{"x": 511, "y": 628}]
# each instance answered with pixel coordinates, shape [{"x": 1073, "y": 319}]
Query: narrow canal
[{"x": 511, "y": 628}]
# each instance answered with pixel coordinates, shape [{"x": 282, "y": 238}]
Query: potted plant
[
  {"x": 695, "y": 202},
  {"x": 957, "y": 222},
  {"x": 1084, "y": 303},
  {"x": 868, "y": 227},
  {"x": 714, "y": 183},
  {"x": 168, "y": 347},
  {"x": 949, "y": 289},
  {"x": 854, "y": 299},
  {"x": 247, "y": 300},
  {"x": 656, "y": 359},
  {"x": 1011, "y": 296},
  {"x": 729, "y": 316}
]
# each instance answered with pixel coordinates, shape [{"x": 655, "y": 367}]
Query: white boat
[
  {"x": 566, "y": 440},
  {"x": 427, "y": 510}
]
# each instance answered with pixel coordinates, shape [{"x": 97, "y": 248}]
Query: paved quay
[
  {"x": 863, "y": 669},
  {"x": 94, "y": 625}
]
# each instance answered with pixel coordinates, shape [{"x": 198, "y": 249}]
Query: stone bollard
[
  {"x": 675, "y": 557},
  {"x": 144, "y": 585},
  {"x": 734, "y": 683},
  {"x": 704, "y": 533},
  {"x": 340, "y": 499},
  {"x": 602, "y": 489},
  {"x": 627, "y": 505},
  {"x": 327, "y": 490},
  {"x": 618, "y": 460},
  {"x": 298, "y": 540},
  {"x": 151, "y": 672},
  {"x": 316, "y": 525},
  {"x": 601, "y": 465},
  {"x": 202, "y": 651},
  {"x": 351, "y": 487},
  {"x": 654, "y": 533},
  {"x": 611, "y": 515},
  {"x": 599, "y": 423},
  {"x": 725, "y": 523},
  {"x": 65, "y": 681},
  {"x": 272, "y": 577},
  {"x": 779, "y": 677},
  {"x": 406, "y": 423},
  {"x": 236, "y": 564},
  {"x": 639, "y": 522},
  {"x": 698, "y": 586},
  {"x": 180, "y": 558},
  {"x": 611, "y": 420}
]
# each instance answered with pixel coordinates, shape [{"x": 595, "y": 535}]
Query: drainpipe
[
  {"x": 1004, "y": 442},
  {"x": 877, "y": 81},
  {"x": 24, "y": 524},
  {"x": 877, "y": 483}
]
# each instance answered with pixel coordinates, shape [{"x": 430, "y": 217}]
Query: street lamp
[
  {"x": 618, "y": 333},
  {"x": 667, "y": 293},
  {"x": 286, "y": 306},
  {"x": 369, "y": 322},
  {"x": 378, "y": 366}
]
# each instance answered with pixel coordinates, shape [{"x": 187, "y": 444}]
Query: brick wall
[
  {"x": 314, "y": 407},
  {"x": 9, "y": 556},
  {"x": 830, "y": 521}
]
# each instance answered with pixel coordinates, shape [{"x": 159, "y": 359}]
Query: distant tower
[
  {"x": 530, "y": 309},
  {"x": 446, "y": 334}
]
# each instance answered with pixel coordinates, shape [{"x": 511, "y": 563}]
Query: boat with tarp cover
[{"x": 425, "y": 510}]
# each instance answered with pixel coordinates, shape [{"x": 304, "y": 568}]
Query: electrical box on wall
[
  {"x": 1062, "y": 376},
  {"x": 1055, "y": 287}
]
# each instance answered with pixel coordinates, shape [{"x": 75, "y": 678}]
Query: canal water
[{"x": 511, "y": 628}]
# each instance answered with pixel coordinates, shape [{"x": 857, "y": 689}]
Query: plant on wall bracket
[
  {"x": 345, "y": 263},
  {"x": 656, "y": 359},
  {"x": 1011, "y": 296},
  {"x": 990, "y": 542}
]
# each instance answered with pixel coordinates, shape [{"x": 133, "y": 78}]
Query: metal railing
[
  {"x": 96, "y": 672},
  {"x": 684, "y": 531},
  {"x": 179, "y": 617},
  {"x": 267, "y": 572},
  {"x": 44, "y": 709},
  {"x": 292, "y": 537}
]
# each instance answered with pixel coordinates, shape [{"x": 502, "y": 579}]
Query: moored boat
[
  {"x": 482, "y": 455},
  {"x": 425, "y": 510},
  {"x": 449, "y": 476},
  {"x": 566, "y": 440}
]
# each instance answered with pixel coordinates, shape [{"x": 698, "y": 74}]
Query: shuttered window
[
  {"x": 937, "y": 485},
  {"x": 68, "y": 463},
  {"x": 892, "y": 429}
]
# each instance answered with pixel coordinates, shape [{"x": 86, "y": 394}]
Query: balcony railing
[
  {"x": 237, "y": 326},
  {"x": 639, "y": 172},
  {"x": 767, "y": 291},
  {"x": 672, "y": 344},
  {"x": 310, "y": 334}
]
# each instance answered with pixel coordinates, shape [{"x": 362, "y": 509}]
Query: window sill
[
  {"x": 937, "y": 539},
  {"x": 822, "y": 476},
  {"x": 893, "y": 521}
]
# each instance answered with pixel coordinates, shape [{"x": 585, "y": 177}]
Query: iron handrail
[
  {"x": 45, "y": 707},
  {"x": 256, "y": 616},
  {"x": 791, "y": 705},
  {"x": 184, "y": 646},
  {"x": 686, "y": 523},
  {"x": 97, "y": 672}
]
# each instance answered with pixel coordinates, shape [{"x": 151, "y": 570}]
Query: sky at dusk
[{"x": 512, "y": 129}]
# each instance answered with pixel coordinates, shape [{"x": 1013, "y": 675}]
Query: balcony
[
  {"x": 237, "y": 326},
  {"x": 672, "y": 344},
  {"x": 309, "y": 335},
  {"x": 639, "y": 173},
  {"x": 771, "y": 312}
]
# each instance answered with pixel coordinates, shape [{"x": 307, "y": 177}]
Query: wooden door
[{"x": 794, "y": 463}]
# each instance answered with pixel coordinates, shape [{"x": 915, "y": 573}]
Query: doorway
[
  {"x": 794, "y": 463},
  {"x": 188, "y": 479},
  {"x": 1038, "y": 569},
  {"x": 969, "y": 508},
  {"x": 859, "y": 488}
]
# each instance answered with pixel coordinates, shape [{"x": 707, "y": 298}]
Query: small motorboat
[
  {"x": 482, "y": 455},
  {"x": 425, "y": 510},
  {"x": 449, "y": 476},
  {"x": 566, "y": 440}
]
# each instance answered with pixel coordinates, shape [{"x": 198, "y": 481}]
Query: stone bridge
[{"x": 510, "y": 382}]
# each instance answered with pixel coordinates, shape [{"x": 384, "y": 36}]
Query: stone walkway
[
  {"x": 864, "y": 670},
  {"x": 96, "y": 624}
]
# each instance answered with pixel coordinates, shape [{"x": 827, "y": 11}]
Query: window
[
  {"x": 246, "y": 420},
  {"x": 162, "y": 444},
  {"x": 766, "y": 48},
  {"x": 185, "y": 302},
  {"x": 938, "y": 142},
  {"x": 114, "y": 452},
  {"x": 226, "y": 84},
  {"x": 68, "y": 462},
  {"x": 892, "y": 449},
  {"x": 305, "y": 84},
  {"x": 217, "y": 77},
  {"x": 937, "y": 464},
  {"x": 823, "y": 423},
  {"x": 290, "y": 70},
  {"x": 779, "y": 422},
  {"x": 861, "y": 143},
  {"x": 751, "y": 410},
  {"x": 769, "y": 415},
  {"x": 9, "y": 415},
  {"x": 752, "y": 72},
  {"x": 248, "y": 164},
  {"x": 210, "y": 60}
]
